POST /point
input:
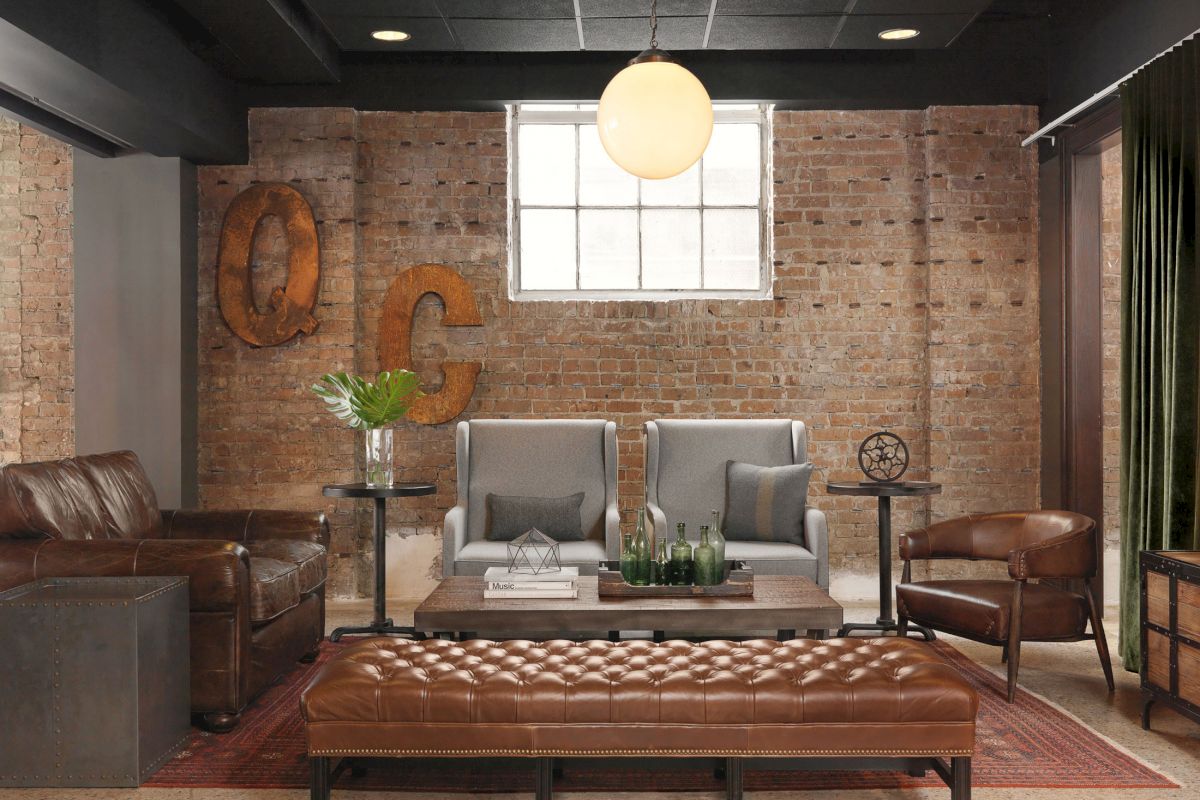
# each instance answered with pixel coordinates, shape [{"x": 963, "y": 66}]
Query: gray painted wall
[{"x": 135, "y": 315}]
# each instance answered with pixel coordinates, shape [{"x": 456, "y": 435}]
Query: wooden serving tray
[{"x": 739, "y": 582}]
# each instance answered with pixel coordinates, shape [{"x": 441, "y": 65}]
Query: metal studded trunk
[{"x": 96, "y": 683}]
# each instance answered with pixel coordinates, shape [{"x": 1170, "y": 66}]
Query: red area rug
[{"x": 1027, "y": 744}]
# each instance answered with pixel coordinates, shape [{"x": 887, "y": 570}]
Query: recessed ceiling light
[
  {"x": 393, "y": 36},
  {"x": 896, "y": 34}
]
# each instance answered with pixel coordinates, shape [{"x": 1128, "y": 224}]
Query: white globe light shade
[{"x": 655, "y": 119}]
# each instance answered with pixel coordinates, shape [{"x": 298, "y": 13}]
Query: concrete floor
[{"x": 1067, "y": 674}]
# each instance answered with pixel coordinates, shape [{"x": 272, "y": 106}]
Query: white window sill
[{"x": 649, "y": 296}]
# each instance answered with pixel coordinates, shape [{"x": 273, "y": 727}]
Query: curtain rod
[{"x": 1097, "y": 97}]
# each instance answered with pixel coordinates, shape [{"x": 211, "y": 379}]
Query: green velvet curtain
[{"x": 1160, "y": 320}]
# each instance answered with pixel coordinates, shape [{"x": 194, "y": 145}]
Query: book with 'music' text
[{"x": 519, "y": 594}]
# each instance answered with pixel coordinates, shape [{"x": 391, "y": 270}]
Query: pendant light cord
[{"x": 654, "y": 24}]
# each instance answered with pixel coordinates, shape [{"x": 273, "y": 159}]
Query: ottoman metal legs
[{"x": 956, "y": 774}]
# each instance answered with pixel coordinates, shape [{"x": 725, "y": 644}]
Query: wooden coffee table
[{"x": 784, "y": 603}]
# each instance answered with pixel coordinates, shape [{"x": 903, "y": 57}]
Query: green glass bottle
[
  {"x": 705, "y": 560},
  {"x": 681, "y": 559},
  {"x": 627, "y": 559},
  {"x": 643, "y": 556},
  {"x": 718, "y": 543},
  {"x": 662, "y": 564}
]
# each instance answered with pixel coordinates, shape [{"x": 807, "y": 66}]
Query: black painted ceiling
[{"x": 623, "y": 25}]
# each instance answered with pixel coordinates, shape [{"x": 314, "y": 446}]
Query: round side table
[
  {"x": 885, "y": 492},
  {"x": 382, "y": 625}
]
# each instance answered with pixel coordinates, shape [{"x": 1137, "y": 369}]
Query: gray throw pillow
[
  {"x": 765, "y": 504},
  {"x": 557, "y": 517}
]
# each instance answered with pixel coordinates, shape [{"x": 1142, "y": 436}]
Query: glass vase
[{"x": 378, "y": 464}]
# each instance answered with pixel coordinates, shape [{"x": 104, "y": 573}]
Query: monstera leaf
[{"x": 364, "y": 405}]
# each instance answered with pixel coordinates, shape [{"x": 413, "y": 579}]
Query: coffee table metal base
[
  {"x": 884, "y": 626},
  {"x": 384, "y": 628},
  {"x": 782, "y": 635}
]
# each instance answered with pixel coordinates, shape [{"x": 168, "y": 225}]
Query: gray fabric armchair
[
  {"x": 534, "y": 458},
  {"x": 685, "y": 480}
]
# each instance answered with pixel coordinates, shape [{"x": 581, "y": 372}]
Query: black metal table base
[
  {"x": 884, "y": 627},
  {"x": 385, "y": 628},
  {"x": 382, "y": 626}
]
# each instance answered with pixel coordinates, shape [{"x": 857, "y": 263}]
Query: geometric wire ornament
[
  {"x": 883, "y": 457},
  {"x": 533, "y": 553}
]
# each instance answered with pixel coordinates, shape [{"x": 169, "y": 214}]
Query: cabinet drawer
[
  {"x": 1158, "y": 660},
  {"x": 1189, "y": 673},
  {"x": 1158, "y": 599},
  {"x": 1188, "y": 611}
]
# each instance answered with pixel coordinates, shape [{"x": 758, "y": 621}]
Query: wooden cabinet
[{"x": 1171, "y": 631}]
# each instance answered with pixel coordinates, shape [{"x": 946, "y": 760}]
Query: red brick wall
[
  {"x": 36, "y": 307},
  {"x": 905, "y": 295}
]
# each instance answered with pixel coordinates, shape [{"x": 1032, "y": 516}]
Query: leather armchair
[
  {"x": 256, "y": 579},
  {"x": 1035, "y": 545}
]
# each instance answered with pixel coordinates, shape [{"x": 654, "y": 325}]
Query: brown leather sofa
[
  {"x": 256, "y": 578},
  {"x": 1037, "y": 545}
]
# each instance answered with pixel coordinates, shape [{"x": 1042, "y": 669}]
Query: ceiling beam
[
  {"x": 271, "y": 41},
  {"x": 120, "y": 72},
  {"x": 47, "y": 122},
  {"x": 828, "y": 79}
]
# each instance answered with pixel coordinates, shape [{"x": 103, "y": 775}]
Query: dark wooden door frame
[{"x": 1070, "y": 256}]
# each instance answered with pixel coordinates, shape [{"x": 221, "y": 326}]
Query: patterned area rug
[{"x": 1027, "y": 744}]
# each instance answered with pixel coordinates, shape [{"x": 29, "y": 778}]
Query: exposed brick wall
[
  {"x": 36, "y": 304},
  {"x": 10, "y": 292},
  {"x": 984, "y": 416},
  {"x": 1110, "y": 339},
  {"x": 905, "y": 295},
  {"x": 265, "y": 441}
]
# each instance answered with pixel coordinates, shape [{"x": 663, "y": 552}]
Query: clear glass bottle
[
  {"x": 627, "y": 558},
  {"x": 642, "y": 554},
  {"x": 705, "y": 561},
  {"x": 662, "y": 564},
  {"x": 718, "y": 543},
  {"x": 681, "y": 559}
]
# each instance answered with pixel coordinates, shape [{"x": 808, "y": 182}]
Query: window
[{"x": 583, "y": 227}]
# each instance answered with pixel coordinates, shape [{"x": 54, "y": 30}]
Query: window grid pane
[{"x": 679, "y": 243}]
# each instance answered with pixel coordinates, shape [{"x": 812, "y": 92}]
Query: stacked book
[{"x": 502, "y": 584}]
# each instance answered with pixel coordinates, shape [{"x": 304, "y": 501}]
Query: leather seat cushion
[
  {"x": 983, "y": 608},
  {"x": 836, "y": 696},
  {"x": 274, "y": 588},
  {"x": 309, "y": 558}
]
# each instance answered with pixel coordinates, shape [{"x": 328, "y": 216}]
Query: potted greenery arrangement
[{"x": 371, "y": 408}]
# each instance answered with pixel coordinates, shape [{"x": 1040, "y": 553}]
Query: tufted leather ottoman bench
[{"x": 846, "y": 703}]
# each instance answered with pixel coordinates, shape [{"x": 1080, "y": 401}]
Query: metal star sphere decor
[
  {"x": 883, "y": 457},
  {"x": 533, "y": 553}
]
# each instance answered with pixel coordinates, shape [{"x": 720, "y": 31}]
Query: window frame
[{"x": 535, "y": 113}]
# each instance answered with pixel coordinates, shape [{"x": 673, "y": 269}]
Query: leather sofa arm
[
  {"x": 218, "y": 573},
  {"x": 1072, "y": 555},
  {"x": 246, "y": 525}
]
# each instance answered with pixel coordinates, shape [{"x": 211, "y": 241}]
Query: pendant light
[{"x": 655, "y": 117}]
